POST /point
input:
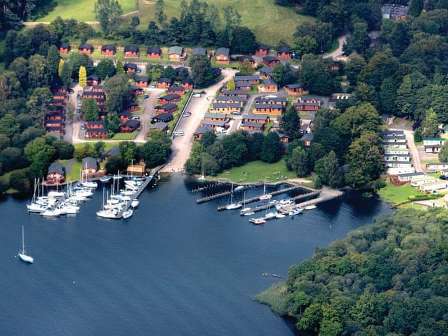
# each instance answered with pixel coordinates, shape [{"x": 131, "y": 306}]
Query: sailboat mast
[{"x": 23, "y": 240}]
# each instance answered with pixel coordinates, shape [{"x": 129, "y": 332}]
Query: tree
[
  {"x": 128, "y": 151},
  {"x": 38, "y": 103},
  {"x": 443, "y": 154},
  {"x": 108, "y": 13},
  {"x": 430, "y": 125},
  {"x": 416, "y": 7},
  {"x": 156, "y": 152},
  {"x": 61, "y": 67},
  {"x": 38, "y": 75},
  {"x": 90, "y": 109},
  {"x": 66, "y": 74},
  {"x": 159, "y": 12},
  {"x": 365, "y": 161},
  {"x": 230, "y": 85},
  {"x": 117, "y": 92},
  {"x": 359, "y": 41},
  {"x": 20, "y": 67},
  {"x": 202, "y": 73},
  {"x": 387, "y": 95},
  {"x": 105, "y": 69},
  {"x": 406, "y": 94},
  {"x": 327, "y": 169},
  {"x": 316, "y": 76},
  {"x": 82, "y": 76},
  {"x": 208, "y": 139},
  {"x": 272, "y": 149},
  {"x": 243, "y": 41},
  {"x": 299, "y": 162},
  {"x": 112, "y": 124},
  {"x": 290, "y": 123},
  {"x": 283, "y": 74},
  {"x": 53, "y": 63}
]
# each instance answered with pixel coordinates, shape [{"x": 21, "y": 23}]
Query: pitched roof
[
  {"x": 154, "y": 50},
  {"x": 109, "y": 47},
  {"x": 176, "y": 50},
  {"x": 247, "y": 78},
  {"x": 199, "y": 51},
  {"x": 86, "y": 46},
  {"x": 131, "y": 48},
  {"x": 56, "y": 168},
  {"x": 222, "y": 52},
  {"x": 89, "y": 163},
  {"x": 141, "y": 78},
  {"x": 130, "y": 66}
]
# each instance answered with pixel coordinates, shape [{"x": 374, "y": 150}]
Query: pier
[
  {"x": 297, "y": 198},
  {"x": 257, "y": 198},
  {"x": 326, "y": 194}
]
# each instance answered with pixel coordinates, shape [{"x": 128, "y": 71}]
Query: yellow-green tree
[
  {"x": 82, "y": 76},
  {"x": 60, "y": 67},
  {"x": 231, "y": 85}
]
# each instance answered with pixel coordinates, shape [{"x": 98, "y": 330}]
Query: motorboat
[
  {"x": 257, "y": 221},
  {"x": 279, "y": 215},
  {"x": 310, "y": 207},
  {"x": 270, "y": 215},
  {"x": 89, "y": 184},
  {"x": 109, "y": 213},
  {"x": 52, "y": 212},
  {"x": 135, "y": 203},
  {"x": 105, "y": 179},
  {"x": 22, "y": 253},
  {"x": 233, "y": 206},
  {"x": 244, "y": 211},
  {"x": 295, "y": 212},
  {"x": 249, "y": 213},
  {"x": 35, "y": 207},
  {"x": 127, "y": 214}
]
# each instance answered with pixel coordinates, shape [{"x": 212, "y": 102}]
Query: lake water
[{"x": 174, "y": 268}]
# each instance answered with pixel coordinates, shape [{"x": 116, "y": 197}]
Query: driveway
[
  {"x": 182, "y": 145},
  {"x": 414, "y": 151},
  {"x": 148, "y": 112},
  {"x": 338, "y": 54}
]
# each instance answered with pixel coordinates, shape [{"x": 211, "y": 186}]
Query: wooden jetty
[
  {"x": 257, "y": 198},
  {"x": 326, "y": 194},
  {"x": 297, "y": 198}
]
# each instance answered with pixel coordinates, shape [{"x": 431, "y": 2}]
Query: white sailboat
[
  {"x": 22, "y": 253},
  {"x": 245, "y": 209},
  {"x": 265, "y": 196},
  {"x": 233, "y": 206}
]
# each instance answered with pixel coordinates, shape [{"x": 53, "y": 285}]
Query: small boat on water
[
  {"x": 105, "y": 179},
  {"x": 244, "y": 211},
  {"x": 270, "y": 215},
  {"x": 52, "y": 212},
  {"x": 22, "y": 253},
  {"x": 257, "y": 221},
  {"x": 265, "y": 196},
  {"x": 135, "y": 203},
  {"x": 310, "y": 207},
  {"x": 294, "y": 212},
  {"x": 239, "y": 188},
  {"x": 279, "y": 215},
  {"x": 109, "y": 213},
  {"x": 127, "y": 214},
  {"x": 232, "y": 205},
  {"x": 89, "y": 184}
]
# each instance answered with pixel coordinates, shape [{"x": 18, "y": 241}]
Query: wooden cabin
[
  {"x": 89, "y": 166},
  {"x": 169, "y": 98},
  {"x": 56, "y": 173},
  {"x": 226, "y": 108},
  {"x": 108, "y": 50},
  {"x": 273, "y": 110},
  {"x": 167, "y": 108},
  {"x": 222, "y": 56},
  {"x": 187, "y": 84},
  {"x": 95, "y": 130},
  {"x": 130, "y": 68},
  {"x": 154, "y": 52},
  {"x": 270, "y": 61},
  {"x": 308, "y": 103},
  {"x": 93, "y": 80},
  {"x": 262, "y": 51},
  {"x": 176, "y": 54},
  {"x": 141, "y": 81},
  {"x": 64, "y": 48},
  {"x": 284, "y": 53},
  {"x": 130, "y": 126},
  {"x": 136, "y": 170},
  {"x": 163, "y": 117},
  {"x": 295, "y": 90},
  {"x": 86, "y": 49},
  {"x": 131, "y": 51},
  {"x": 176, "y": 89},
  {"x": 199, "y": 51},
  {"x": 268, "y": 85}
]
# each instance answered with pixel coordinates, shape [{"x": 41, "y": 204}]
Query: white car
[
  {"x": 196, "y": 95},
  {"x": 179, "y": 133}
]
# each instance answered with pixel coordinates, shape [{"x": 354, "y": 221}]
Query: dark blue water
[{"x": 175, "y": 268}]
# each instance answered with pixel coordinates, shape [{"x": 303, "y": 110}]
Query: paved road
[
  {"x": 338, "y": 54},
  {"x": 198, "y": 107},
  {"x": 414, "y": 151}
]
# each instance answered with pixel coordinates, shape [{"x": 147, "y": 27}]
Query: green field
[
  {"x": 398, "y": 194},
  {"x": 82, "y": 10},
  {"x": 271, "y": 23},
  {"x": 258, "y": 171}
]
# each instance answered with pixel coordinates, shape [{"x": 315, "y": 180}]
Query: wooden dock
[
  {"x": 297, "y": 198},
  {"x": 257, "y": 198},
  {"x": 326, "y": 194},
  {"x": 152, "y": 175}
]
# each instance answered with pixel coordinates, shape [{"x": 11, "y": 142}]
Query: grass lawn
[
  {"x": 125, "y": 136},
  {"x": 82, "y": 10},
  {"x": 270, "y": 22},
  {"x": 398, "y": 194},
  {"x": 72, "y": 168},
  {"x": 258, "y": 171},
  {"x": 107, "y": 145}
]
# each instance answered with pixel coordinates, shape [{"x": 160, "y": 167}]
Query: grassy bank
[
  {"x": 258, "y": 171},
  {"x": 398, "y": 194},
  {"x": 83, "y": 10},
  {"x": 275, "y": 298}
]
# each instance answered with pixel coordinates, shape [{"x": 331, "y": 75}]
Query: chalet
[
  {"x": 176, "y": 89},
  {"x": 335, "y": 66},
  {"x": 59, "y": 93},
  {"x": 108, "y": 50},
  {"x": 187, "y": 84},
  {"x": 397, "y": 157},
  {"x": 89, "y": 166},
  {"x": 407, "y": 177},
  {"x": 394, "y": 12},
  {"x": 141, "y": 81},
  {"x": 433, "y": 145},
  {"x": 201, "y": 131},
  {"x": 130, "y": 126},
  {"x": 252, "y": 79},
  {"x": 93, "y": 80},
  {"x": 227, "y": 108},
  {"x": 86, "y": 49},
  {"x": 262, "y": 51},
  {"x": 95, "y": 130},
  {"x": 272, "y": 100},
  {"x": 57, "y": 127},
  {"x": 284, "y": 53},
  {"x": 176, "y": 54},
  {"x": 163, "y": 83},
  {"x": 97, "y": 93},
  {"x": 130, "y": 68},
  {"x": 56, "y": 173},
  {"x": 251, "y": 127},
  {"x": 234, "y": 93},
  {"x": 163, "y": 117},
  {"x": 136, "y": 90},
  {"x": 243, "y": 85},
  {"x": 308, "y": 103},
  {"x": 136, "y": 169},
  {"x": 154, "y": 52},
  {"x": 268, "y": 85},
  {"x": 160, "y": 126},
  {"x": 199, "y": 51},
  {"x": 283, "y": 137},
  {"x": 132, "y": 107},
  {"x": 270, "y": 61},
  {"x": 295, "y": 90},
  {"x": 265, "y": 72},
  {"x": 58, "y": 101},
  {"x": 167, "y": 108},
  {"x": 131, "y": 51},
  {"x": 230, "y": 99},
  {"x": 124, "y": 116},
  {"x": 64, "y": 48},
  {"x": 217, "y": 126},
  {"x": 169, "y": 98},
  {"x": 247, "y": 59},
  {"x": 398, "y": 164},
  {"x": 307, "y": 139},
  {"x": 274, "y": 110},
  {"x": 216, "y": 117},
  {"x": 256, "y": 118},
  {"x": 222, "y": 56}
]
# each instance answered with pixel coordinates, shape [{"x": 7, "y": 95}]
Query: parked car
[
  {"x": 135, "y": 118},
  {"x": 145, "y": 96},
  {"x": 187, "y": 114},
  {"x": 196, "y": 95},
  {"x": 179, "y": 133}
]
